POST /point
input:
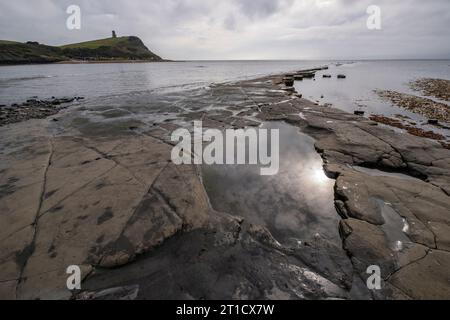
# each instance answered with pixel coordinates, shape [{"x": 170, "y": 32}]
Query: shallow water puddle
[
  {"x": 395, "y": 227},
  {"x": 295, "y": 205}
]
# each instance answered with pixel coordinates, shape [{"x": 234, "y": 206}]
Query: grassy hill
[
  {"x": 8, "y": 42},
  {"x": 131, "y": 48},
  {"x": 95, "y": 44},
  {"x": 24, "y": 53},
  {"x": 110, "y": 49}
]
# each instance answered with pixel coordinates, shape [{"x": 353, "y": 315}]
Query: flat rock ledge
[{"x": 108, "y": 199}]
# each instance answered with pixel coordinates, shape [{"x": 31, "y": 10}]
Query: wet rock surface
[
  {"x": 97, "y": 189},
  {"x": 411, "y": 128},
  {"x": 423, "y": 203}
]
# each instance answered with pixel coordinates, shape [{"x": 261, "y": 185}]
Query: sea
[{"x": 137, "y": 83}]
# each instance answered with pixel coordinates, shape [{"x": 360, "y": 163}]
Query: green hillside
[
  {"x": 110, "y": 49},
  {"x": 24, "y": 53},
  {"x": 8, "y": 42},
  {"x": 128, "y": 48}
]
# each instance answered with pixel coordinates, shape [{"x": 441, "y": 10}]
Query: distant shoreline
[
  {"x": 121, "y": 61},
  {"x": 124, "y": 61},
  {"x": 109, "y": 61}
]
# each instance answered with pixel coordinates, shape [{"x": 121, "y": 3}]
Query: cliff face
[{"x": 123, "y": 48}]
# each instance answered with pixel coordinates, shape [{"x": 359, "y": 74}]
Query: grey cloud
[
  {"x": 230, "y": 22},
  {"x": 234, "y": 29},
  {"x": 261, "y": 8}
]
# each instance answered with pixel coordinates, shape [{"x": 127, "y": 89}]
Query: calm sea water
[
  {"x": 134, "y": 84},
  {"x": 17, "y": 83}
]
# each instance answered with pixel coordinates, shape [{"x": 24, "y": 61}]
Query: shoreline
[
  {"x": 119, "y": 62},
  {"x": 111, "y": 61},
  {"x": 218, "y": 60},
  {"x": 112, "y": 231},
  {"x": 87, "y": 62}
]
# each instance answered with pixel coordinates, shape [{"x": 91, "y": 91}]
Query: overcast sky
[{"x": 243, "y": 29}]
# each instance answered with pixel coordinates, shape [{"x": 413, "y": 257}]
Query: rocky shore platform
[{"x": 97, "y": 189}]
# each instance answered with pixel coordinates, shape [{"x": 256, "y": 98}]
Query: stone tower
[{"x": 114, "y": 35}]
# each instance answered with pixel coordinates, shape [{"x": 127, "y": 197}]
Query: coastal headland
[{"x": 112, "y": 50}]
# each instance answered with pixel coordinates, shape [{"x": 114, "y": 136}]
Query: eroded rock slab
[{"x": 92, "y": 203}]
